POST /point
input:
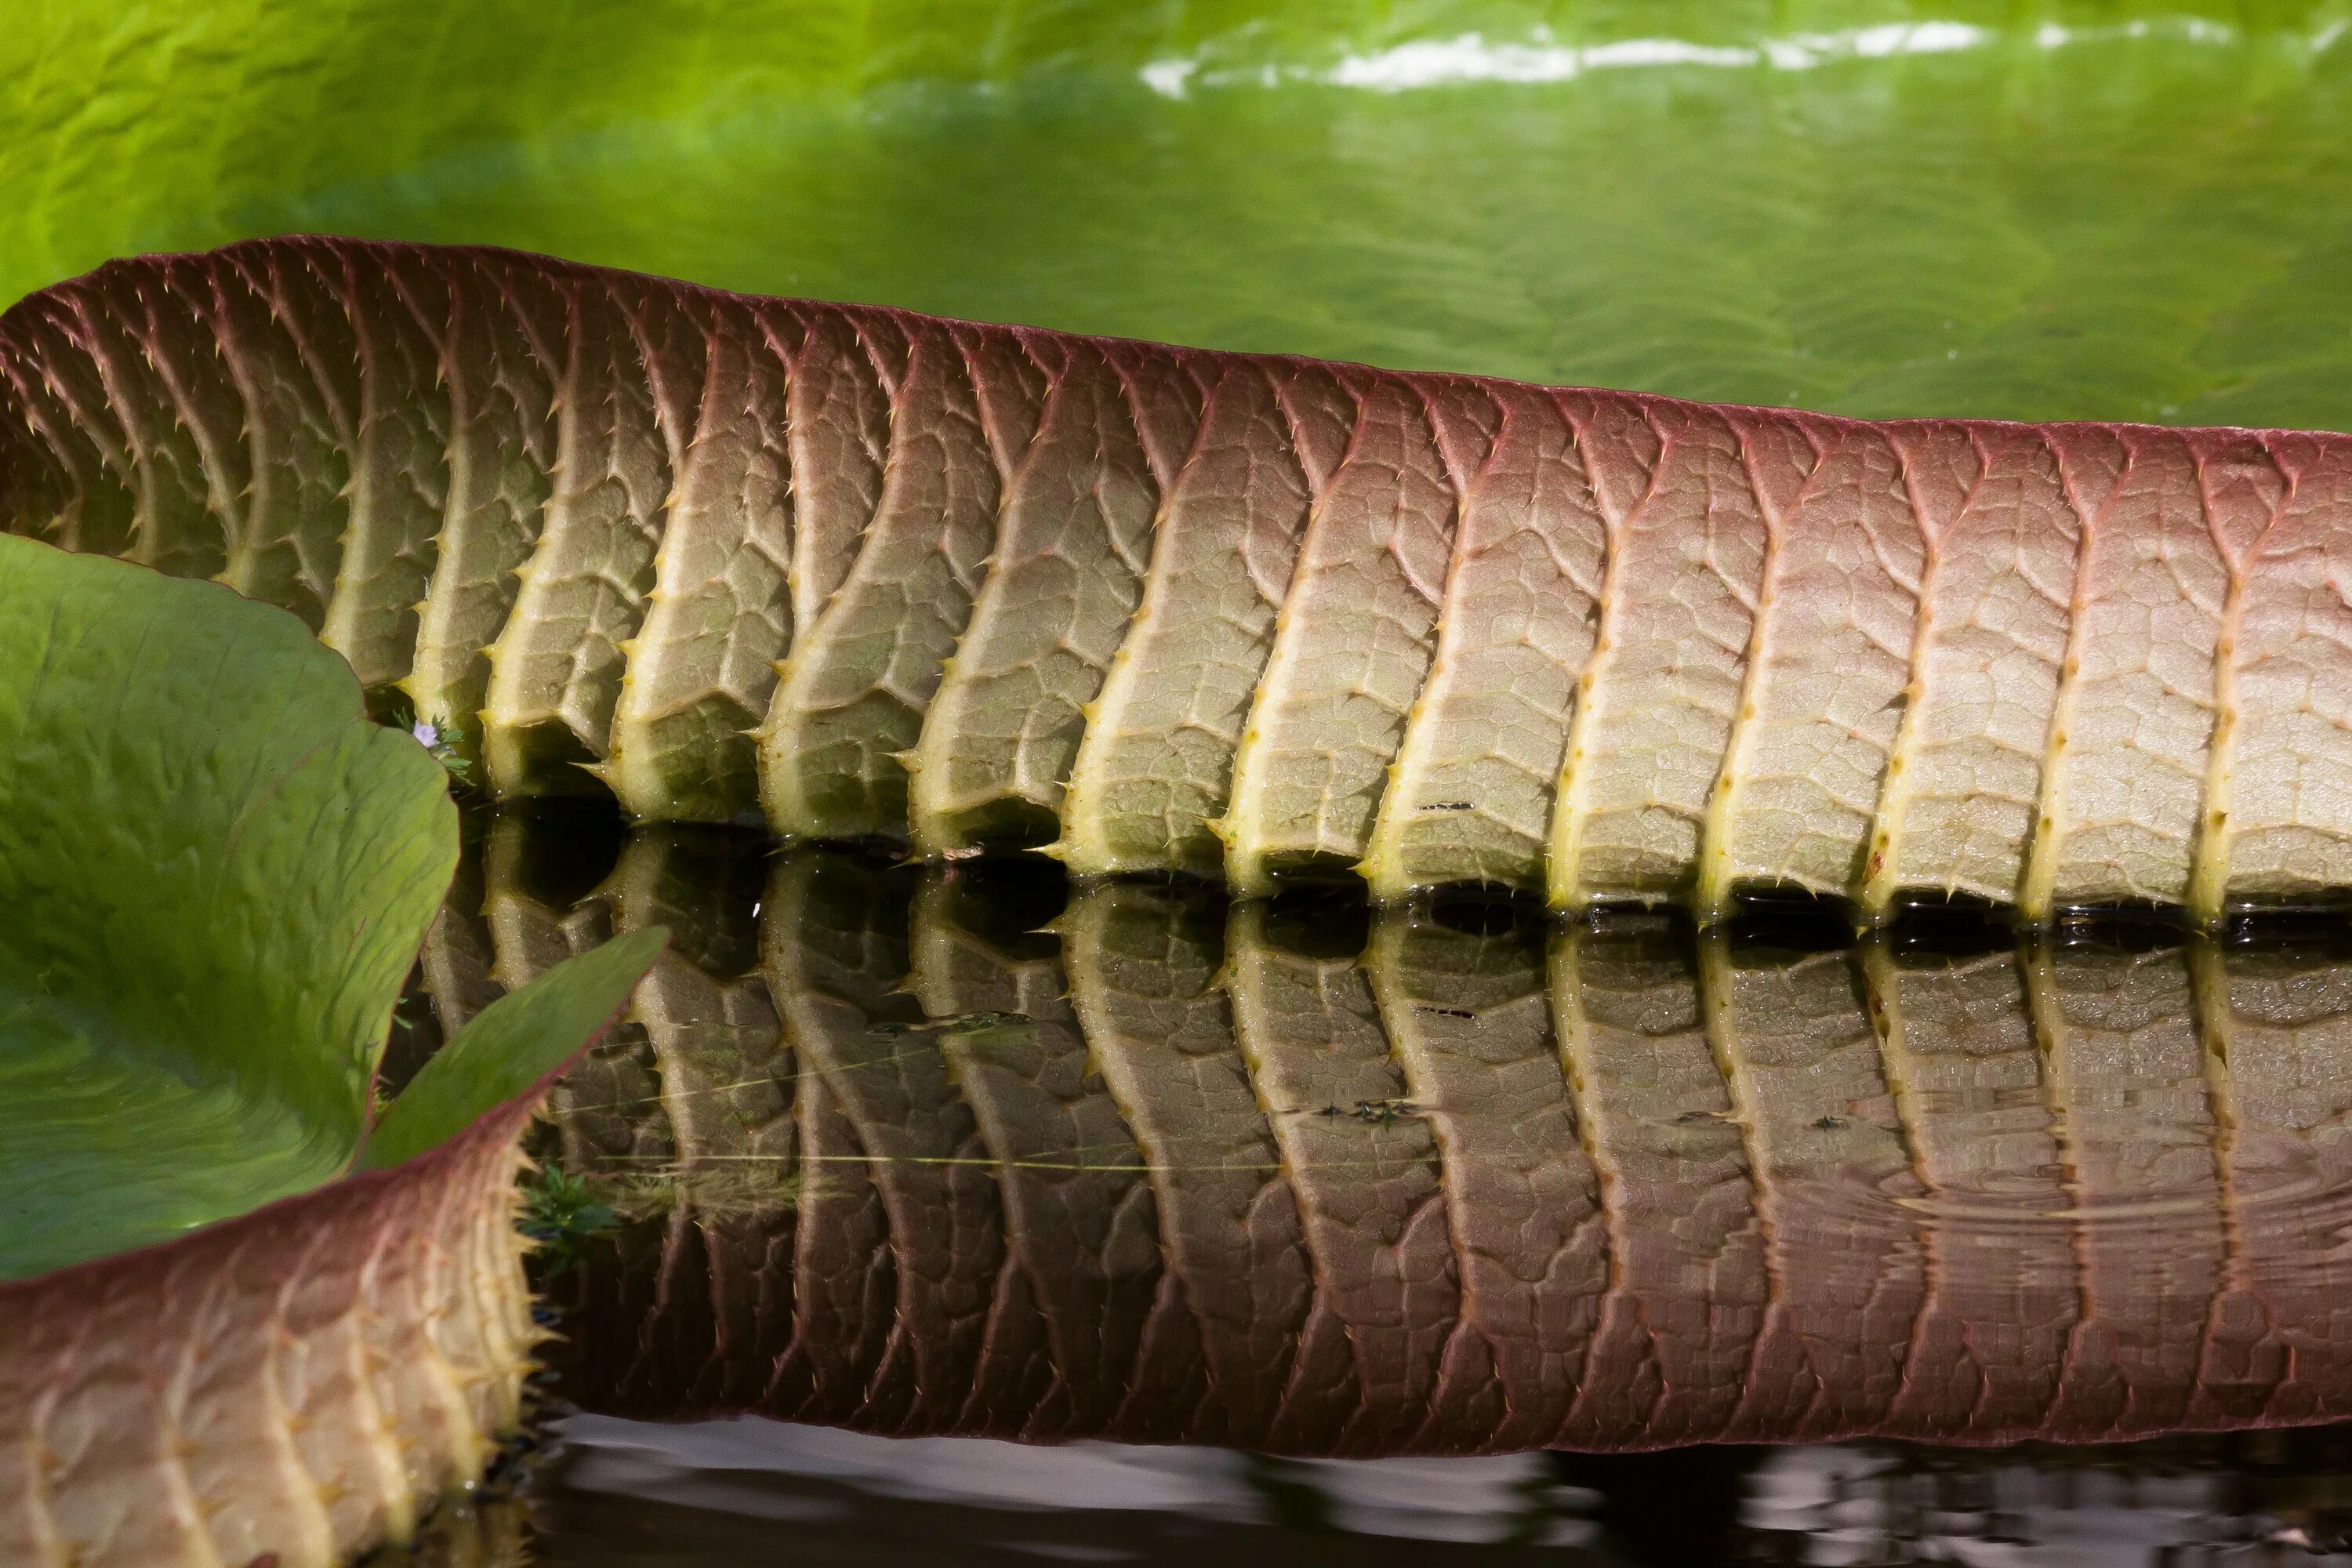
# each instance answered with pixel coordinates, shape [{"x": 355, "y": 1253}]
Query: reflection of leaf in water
[
  {"x": 1885, "y": 1140},
  {"x": 713, "y": 1189}
]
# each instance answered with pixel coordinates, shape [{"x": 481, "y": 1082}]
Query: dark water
[
  {"x": 955, "y": 1214},
  {"x": 613, "y": 1492}
]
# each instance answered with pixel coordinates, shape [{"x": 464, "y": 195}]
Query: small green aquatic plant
[
  {"x": 562, "y": 1214},
  {"x": 395, "y": 710}
]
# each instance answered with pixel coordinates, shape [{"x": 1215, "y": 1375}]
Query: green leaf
[
  {"x": 2055, "y": 208},
  {"x": 512, "y": 1044},
  {"x": 217, "y": 872}
]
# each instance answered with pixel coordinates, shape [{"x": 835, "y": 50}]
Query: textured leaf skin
[
  {"x": 305, "y": 1380},
  {"x": 1156, "y": 608},
  {"x": 1639, "y": 1189}
]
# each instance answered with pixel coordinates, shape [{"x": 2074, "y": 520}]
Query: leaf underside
[{"x": 859, "y": 572}]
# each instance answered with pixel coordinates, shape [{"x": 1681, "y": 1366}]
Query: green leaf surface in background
[{"x": 1873, "y": 206}]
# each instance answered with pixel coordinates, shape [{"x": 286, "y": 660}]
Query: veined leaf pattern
[{"x": 868, "y": 574}]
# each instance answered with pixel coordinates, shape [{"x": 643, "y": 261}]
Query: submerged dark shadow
[
  {"x": 1481, "y": 911},
  {"x": 1331, "y": 920},
  {"x": 1006, "y": 898},
  {"x": 1939, "y": 923},
  {"x": 2131, "y": 928},
  {"x": 1784, "y": 920},
  {"x": 567, "y": 846}
]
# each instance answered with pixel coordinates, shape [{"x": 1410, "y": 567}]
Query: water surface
[{"x": 618, "y": 1494}]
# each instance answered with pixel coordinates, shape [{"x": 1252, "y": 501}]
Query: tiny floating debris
[
  {"x": 1380, "y": 1112},
  {"x": 955, "y": 1024}
]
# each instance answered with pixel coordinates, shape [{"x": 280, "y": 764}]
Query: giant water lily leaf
[
  {"x": 2093, "y": 208},
  {"x": 1153, "y": 608},
  {"x": 511, "y": 1045},
  {"x": 217, "y": 872}
]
